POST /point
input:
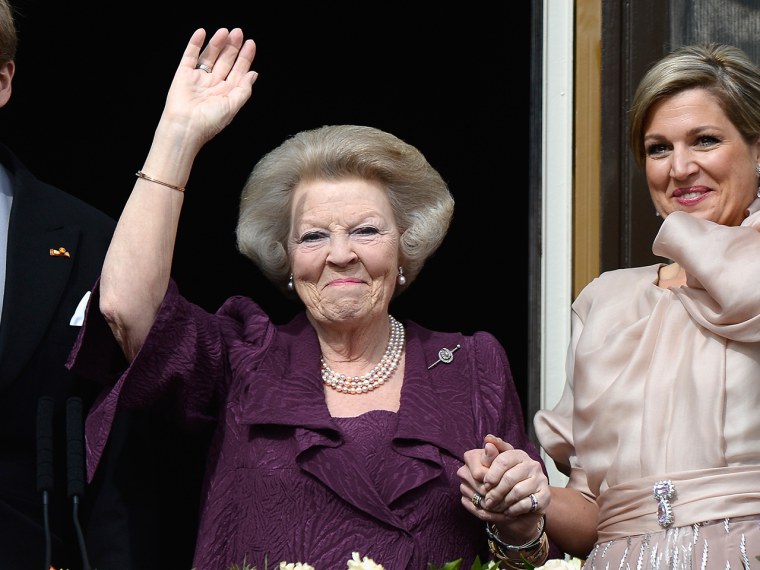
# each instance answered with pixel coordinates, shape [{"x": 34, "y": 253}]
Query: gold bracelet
[
  {"x": 528, "y": 555},
  {"x": 527, "y": 559},
  {"x": 141, "y": 174},
  {"x": 493, "y": 534}
]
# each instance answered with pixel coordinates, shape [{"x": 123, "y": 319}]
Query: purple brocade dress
[{"x": 285, "y": 481}]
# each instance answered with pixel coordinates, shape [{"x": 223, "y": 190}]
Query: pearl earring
[
  {"x": 401, "y": 279},
  {"x": 291, "y": 286}
]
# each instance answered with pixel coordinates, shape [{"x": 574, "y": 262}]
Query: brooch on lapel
[
  {"x": 60, "y": 252},
  {"x": 445, "y": 355}
]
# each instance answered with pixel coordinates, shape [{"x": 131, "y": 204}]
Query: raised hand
[
  {"x": 210, "y": 86},
  {"x": 208, "y": 89}
]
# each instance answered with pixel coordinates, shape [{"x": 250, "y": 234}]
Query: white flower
[
  {"x": 356, "y": 563},
  {"x": 570, "y": 563},
  {"x": 296, "y": 566}
]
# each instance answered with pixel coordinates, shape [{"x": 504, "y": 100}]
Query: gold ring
[{"x": 476, "y": 498}]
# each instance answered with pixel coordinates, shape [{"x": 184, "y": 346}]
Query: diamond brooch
[{"x": 663, "y": 492}]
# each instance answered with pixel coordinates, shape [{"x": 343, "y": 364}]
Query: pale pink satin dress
[{"x": 664, "y": 384}]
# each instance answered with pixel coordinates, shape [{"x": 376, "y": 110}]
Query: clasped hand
[{"x": 505, "y": 486}]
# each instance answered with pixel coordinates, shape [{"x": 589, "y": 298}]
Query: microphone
[
  {"x": 74, "y": 447},
  {"x": 45, "y": 407},
  {"x": 75, "y": 467},
  {"x": 45, "y": 444}
]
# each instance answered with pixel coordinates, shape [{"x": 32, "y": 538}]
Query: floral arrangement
[
  {"x": 567, "y": 563},
  {"x": 358, "y": 563}
]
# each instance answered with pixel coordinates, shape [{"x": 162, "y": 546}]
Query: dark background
[{"x": 454, "y": 81}]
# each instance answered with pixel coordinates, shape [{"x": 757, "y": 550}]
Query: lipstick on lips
[
  {"x": 690, "y": 196},
  {"x": 346, "y": 281}
]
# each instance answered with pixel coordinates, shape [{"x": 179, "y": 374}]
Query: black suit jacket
[{"x": 42, "y": 292}]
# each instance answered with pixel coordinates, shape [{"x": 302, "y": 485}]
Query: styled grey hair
[
  {"x": 725, "y": 71},
  {"x": 420, "y": 199}
]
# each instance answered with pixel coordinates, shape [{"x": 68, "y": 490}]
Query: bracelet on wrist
[
  {"x": 141, "y": 174},
  {"x": 526, "y": 560},
  {"x": 522, "y": 557},
  {"x": 493, "y": 534}
]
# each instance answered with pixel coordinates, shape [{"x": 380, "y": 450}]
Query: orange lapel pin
[{"x": 60, "y": 252}]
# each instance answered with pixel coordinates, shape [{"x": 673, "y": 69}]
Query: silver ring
[
  {"x": 533, "y": 503},
  {"x": 476, "y": 498},
  {"x": 204, "y": 67}
]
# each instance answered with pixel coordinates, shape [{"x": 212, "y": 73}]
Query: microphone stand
[
  {"x": 75, "y": 467},
  {"x": 45, "y": 407}
]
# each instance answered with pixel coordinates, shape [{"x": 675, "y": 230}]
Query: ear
[
  {"x": 757, "y": 150},
  {"x": 6, "y": 79}
]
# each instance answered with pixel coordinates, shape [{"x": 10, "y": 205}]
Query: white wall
[{"x": 557, "y": 203}]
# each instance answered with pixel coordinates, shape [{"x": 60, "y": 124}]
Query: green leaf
[{"x": 453, "y": 565}]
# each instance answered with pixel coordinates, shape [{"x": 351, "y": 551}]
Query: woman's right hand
[{"x": 200, "y": 103}]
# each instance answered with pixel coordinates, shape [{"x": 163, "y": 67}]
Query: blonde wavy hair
[{"x": 724, "y": 71}]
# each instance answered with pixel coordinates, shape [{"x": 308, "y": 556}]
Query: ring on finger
[
  {"x": 476, "y": 499},
  {"x": 204, "y": 67},
  {"x": 533, "y": 503}
]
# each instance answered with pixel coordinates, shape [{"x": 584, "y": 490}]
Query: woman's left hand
[{"x": 508, "y": 481}]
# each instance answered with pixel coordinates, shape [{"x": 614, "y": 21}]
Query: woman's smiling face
[
  {"x": 697, "y": 161},
  {"x": 344, "y": 249}
]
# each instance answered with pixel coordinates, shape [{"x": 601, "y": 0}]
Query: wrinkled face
[
  {"x": 343, "y": 249},
  {"x": 696, "y": 160}
]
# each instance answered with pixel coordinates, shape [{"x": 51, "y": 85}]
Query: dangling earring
[
  {"x": 290, "y": 285},
  {"x": 657, "y": 213},
  {"x": 401, "y": 279}
]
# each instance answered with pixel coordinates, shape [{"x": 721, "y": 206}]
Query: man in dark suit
[{"x": 52, "y": 247}]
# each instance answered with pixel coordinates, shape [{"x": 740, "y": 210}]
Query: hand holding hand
[{"x": 511, "y": 485}]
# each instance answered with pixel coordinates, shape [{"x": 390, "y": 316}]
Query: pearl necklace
[{"x": 376, "y": 377}]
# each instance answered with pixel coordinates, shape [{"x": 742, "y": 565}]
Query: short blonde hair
[
  {"x": 421, "y": 201},
  {"x": 725, "y": 71}
]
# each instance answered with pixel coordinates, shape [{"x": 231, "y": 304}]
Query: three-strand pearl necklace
[{"x": 376, "y": 377}]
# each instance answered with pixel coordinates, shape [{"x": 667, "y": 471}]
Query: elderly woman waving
[{"x": 344, "y": 429}]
